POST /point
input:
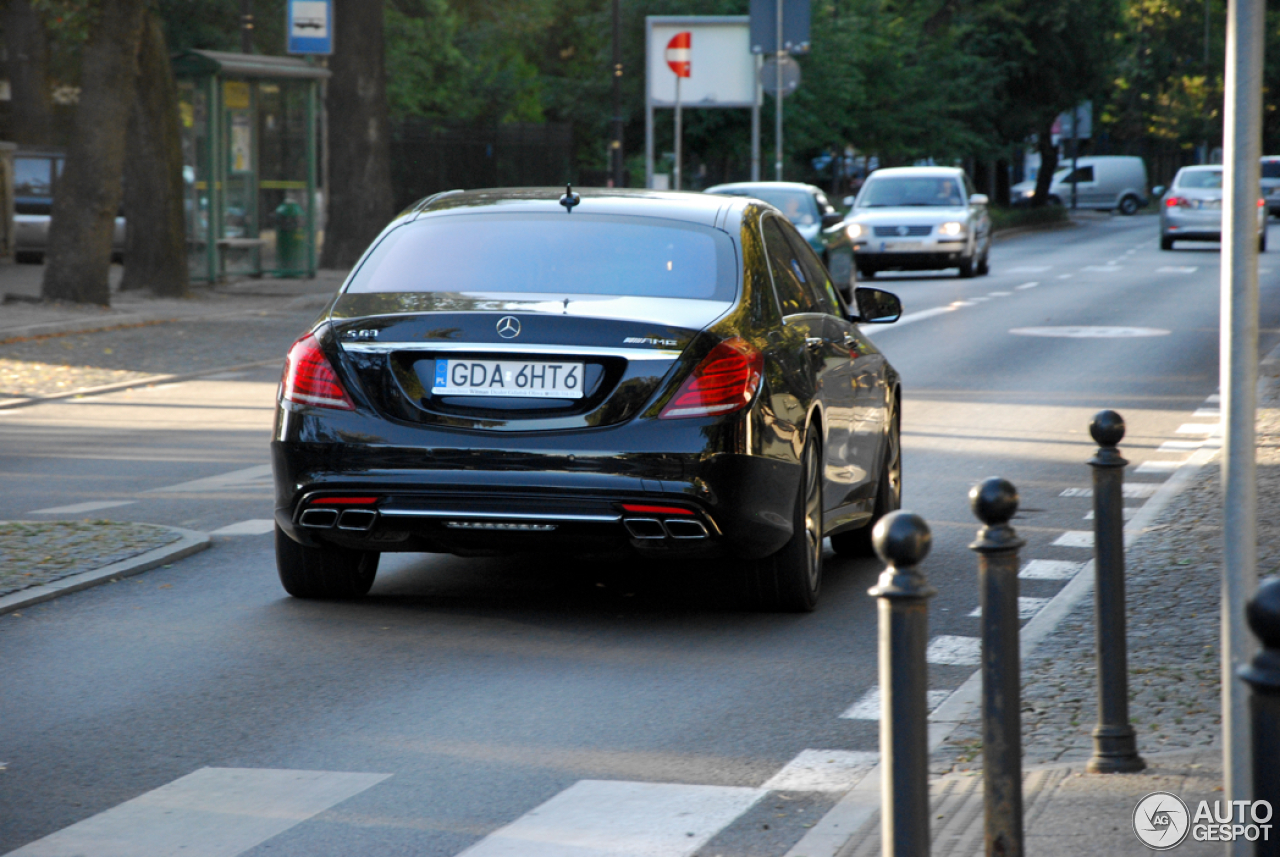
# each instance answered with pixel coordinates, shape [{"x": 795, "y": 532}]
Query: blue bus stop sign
[{"x": 309, "y": 25}]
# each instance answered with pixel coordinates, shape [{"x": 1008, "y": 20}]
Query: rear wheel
[
  {"x": 328, "y": 573},
  {"x": 867, "y": 273},
  {"x": 888, "y": 499},
  {"x": 791, "y": 579},
  {"x": 1129, "y": 206},
  {"x": 1262, "y": 243},
  {"x": 1166, "y": 243}
]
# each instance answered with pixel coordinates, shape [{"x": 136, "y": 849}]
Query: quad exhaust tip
[
  {"x": 318, "y": 519},
  {"x": 357, "y": 520},
  {"x": 351, "y": 520},
  {"x": 648, "y": 529}
]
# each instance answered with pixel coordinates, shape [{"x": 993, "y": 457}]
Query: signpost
[
  {"x": 309, "y": 28},
  {"x": 780, "y": 28},
  {"x": 680, "y": 59}
]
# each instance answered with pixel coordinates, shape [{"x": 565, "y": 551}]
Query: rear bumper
[{"x": 499, "y": 501}]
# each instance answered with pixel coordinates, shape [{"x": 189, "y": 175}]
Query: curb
[
  {"x": 191, "y": 542},
  {"x": 1031, "y": 229},
  {"x": 137, "y": 382}
]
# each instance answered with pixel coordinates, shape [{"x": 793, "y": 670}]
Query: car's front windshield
[{"x": 911, "y": 191}]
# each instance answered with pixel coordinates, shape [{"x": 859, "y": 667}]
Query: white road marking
[
  {"x": 1074, "y": 539},
  {"x": 960, "y": 651},
  {"x": 1027, "y": 607},
  {"x": 1214, "y": 398},
  {"x": 868, "y": 707},
  {"x": 1029, "y": 269},
  {"x": 1179, "y": 445},
  {"x": 1196, "y": 428},
  {"x": 999, "y": 294},
  {"x": 1083, "y": 332},
  {"x": 1065, "y": 276},
  {"x": 258, "y": 476},
  {"x": 1129, "y": 512},
  {"x": 1050, "y": 569},
  {"x": 1030, "y": 285},
  {"x": 252, "y": 527},
  {"x": 602, "y": 818},
  {"x": 1177, "y": 269},
  {"x": 979, "y": 299},
  {"x": 1133, "y": 490},
  {"x": 1207, "y": 412},
  {"x": 1103, "y": 269},
  {"x": 77, "y": 508},
  {"x": 823, "y": 771},
  {"x": 213, "y": 812},
  {"x": 1158, "y": 466}
]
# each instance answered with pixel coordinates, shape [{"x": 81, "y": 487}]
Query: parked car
[
  {"x": 1191, "y": 209},
  {"x": 35, "y": 177},
  {"x": 920, "y": 219},
  {"x": 809, "y": 211},
  {"x": 1105, "y": 182},
  {"x": 1271, "y": 183},
  {"x": 662, "y": 374}
]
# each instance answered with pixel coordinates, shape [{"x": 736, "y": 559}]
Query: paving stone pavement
[{"x": 33, "y": 553}]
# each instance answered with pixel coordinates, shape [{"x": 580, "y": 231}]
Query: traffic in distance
[{"x": 666, "y": 374}]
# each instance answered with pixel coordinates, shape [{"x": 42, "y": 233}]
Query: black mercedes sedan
[{"x": 668, "y": 374}]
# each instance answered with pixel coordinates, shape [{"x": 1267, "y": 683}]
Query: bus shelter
[{"x": 249, "y": 163}]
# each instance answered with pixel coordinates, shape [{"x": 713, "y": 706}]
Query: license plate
[
  {"x": 518, "y": 378},
  {"x": 895, "y": 246},
  {"x": 1212, "y": 204}
]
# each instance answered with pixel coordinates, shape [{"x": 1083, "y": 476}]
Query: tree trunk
[
  {"x": 88, "y": 195},
  {"x": 1002, "y": 182},
  {"x": 155, "y": 247},
  {"x": 360, "y": 199},
  {"x": 28, "y": 71},
  {"x": 1048, "y": 163}
]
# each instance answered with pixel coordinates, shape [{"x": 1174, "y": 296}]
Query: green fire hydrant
[{"x": 291, "y": 244}]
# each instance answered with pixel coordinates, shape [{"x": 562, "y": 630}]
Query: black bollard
[
  {"x": 1115, "y": 746},
  {"x": 1263, "y": 676},
  {"x": 994, "y": 502},
  {"x": 902, "y": 540}
]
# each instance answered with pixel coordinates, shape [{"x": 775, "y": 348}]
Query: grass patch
[{"x": 1011, "y": 218}]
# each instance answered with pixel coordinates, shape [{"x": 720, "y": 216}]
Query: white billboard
[{"x": 722, "y": 68}]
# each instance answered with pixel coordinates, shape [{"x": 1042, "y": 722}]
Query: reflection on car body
[
  {"x": 664, "y": 374},
  {"x": 920, "y": 219}
]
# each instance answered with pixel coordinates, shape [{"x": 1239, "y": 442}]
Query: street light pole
[
  {"x": 777, "y": 102},
  {"x": 615, "y": 145}
]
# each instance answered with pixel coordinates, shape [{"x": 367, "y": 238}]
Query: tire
[
  {"x": 867, "y": 273},
  {"x": 1262, "y": 243},
  {"x": 790, "y": 580},
  {"x": 1129, "y": 206},
  {"x": 1166, "y": 243},
  {"x": 966, "y": 269},
  {"x": 984, "y": 265},
  {"x": 325, "y": 573},
  {"x": 857, "y": 543}
]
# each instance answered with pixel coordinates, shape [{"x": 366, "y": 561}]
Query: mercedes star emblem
[{"x": 508, "y": 327}]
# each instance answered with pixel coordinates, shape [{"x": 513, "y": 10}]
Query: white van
[{"x": 1102, "y": 181}]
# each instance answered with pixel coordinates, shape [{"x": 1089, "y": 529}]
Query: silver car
[
  {"x": 919, "y": 219},
  {"x": 1191, "y": 209},
  {"x": 35, "y": 177}
]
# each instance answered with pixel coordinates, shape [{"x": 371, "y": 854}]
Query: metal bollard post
[
  {"x": 902, "y": 540},
  {"x": 1263, "y": 676},
  {"x": 994, "y": 502},
  {"x": 1115, "y": 746}
]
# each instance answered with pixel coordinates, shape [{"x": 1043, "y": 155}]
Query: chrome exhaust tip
[
  {"x": 318, "y": 519},
  {"x": 644, "y": 528},
  {"x": 684, "y": 528},
  {"x": 358, "y": 520}
]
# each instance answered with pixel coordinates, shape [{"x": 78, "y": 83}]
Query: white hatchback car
[{"x": 919, "y": 219}]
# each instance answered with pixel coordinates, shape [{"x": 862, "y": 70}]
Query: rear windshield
[
  {"x": 917, "y": 190},
  {"x": 799, "y": 206},
  {"x": 1271, "y": 169},
  {"x": 560, "y": 254},
  {"x": 1201, "y": 179}
]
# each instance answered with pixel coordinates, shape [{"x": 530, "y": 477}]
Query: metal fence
[{"x": 429, "y": 157}]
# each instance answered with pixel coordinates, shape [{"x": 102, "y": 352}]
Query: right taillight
[
  {"x": 310, "y": 380},
  {"x": 725, "y": 381}
]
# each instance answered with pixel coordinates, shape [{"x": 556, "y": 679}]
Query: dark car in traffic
[{"x": 671, "y": 375}]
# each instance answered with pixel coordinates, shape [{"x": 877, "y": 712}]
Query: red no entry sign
[{"x": 680, "y": 54}]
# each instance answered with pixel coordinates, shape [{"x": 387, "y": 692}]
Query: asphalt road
[{"x": 496, "y": 704}]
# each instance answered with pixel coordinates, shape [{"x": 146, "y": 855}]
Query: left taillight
[
  {"x": 725, "y": 381},
  {"x": 310, "y": 380}
]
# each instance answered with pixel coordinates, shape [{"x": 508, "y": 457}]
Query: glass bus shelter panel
[
  {"x": 193, "y": 111},
  {"x": 283, "y": 202},
  {"x": 241, "y": 248}
]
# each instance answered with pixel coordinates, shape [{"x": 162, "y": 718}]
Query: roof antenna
[{"x": 570, "y": 199}]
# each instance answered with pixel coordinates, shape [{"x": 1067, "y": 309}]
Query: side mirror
[
  {"x": 1158, "y": 190},
  {"x": 831, "y": 219},
  {"x": 876, "y": 306},
  {"x": 847, "y": 202},
  {"x": 979, "y": 199}
]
